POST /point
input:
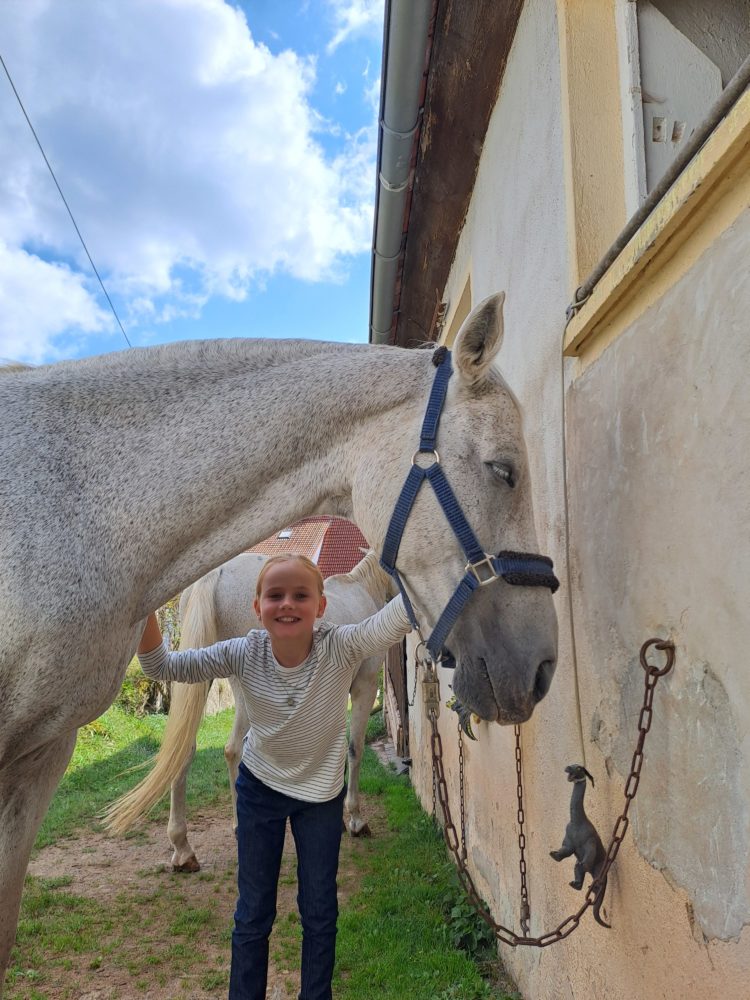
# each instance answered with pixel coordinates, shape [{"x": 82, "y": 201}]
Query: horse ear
[{"x": 479, "y": 339}]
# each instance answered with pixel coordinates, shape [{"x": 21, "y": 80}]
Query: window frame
[{"x": 703, "y": 201}]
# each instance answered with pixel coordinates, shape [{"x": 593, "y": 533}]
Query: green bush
[{"x": 139, "y": 695}]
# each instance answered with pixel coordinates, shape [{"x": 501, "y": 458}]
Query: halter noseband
[{"x": 521, "y": 569}]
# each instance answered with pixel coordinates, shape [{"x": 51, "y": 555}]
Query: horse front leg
[
  {"x": 184, "y": 858},
  {"x": 364, "y": 691},
  {"x": 26, "y": 788}
]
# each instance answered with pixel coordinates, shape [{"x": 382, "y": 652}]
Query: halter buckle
[
  {"x": 431, "y": 691},
  {"x": 478, "y": 569}
]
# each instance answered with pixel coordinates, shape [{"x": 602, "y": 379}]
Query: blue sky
[{"x": 219, "y": 159}]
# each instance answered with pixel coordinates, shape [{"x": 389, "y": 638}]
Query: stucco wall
[{"x": 658, "y": 431}]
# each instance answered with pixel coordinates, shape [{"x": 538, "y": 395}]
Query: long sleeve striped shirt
[{"x": 296, "y": 743}]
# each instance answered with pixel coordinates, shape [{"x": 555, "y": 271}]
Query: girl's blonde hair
[{"x": 289, "y": 557}]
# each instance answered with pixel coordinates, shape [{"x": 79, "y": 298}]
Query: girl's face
[{"x": 289, "y": 601}]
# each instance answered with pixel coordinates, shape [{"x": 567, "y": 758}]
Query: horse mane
[
  {"x": 12, "y": 367},
  {"x": 369, "y": 574},
  {"x": 240, "y": 354}
]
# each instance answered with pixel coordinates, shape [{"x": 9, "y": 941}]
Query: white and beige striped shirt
[{"x": 296, "y": 743}]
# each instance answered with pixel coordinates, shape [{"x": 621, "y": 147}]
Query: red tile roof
[
  {"x": 304, "y": 540},
  {"x": 334, "y": 543}
]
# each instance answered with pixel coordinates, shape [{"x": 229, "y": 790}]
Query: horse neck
[{"x": 204, "y": 449}]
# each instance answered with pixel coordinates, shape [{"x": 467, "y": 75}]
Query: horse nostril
[
  {"x": 448, "y": 659},
  {"x": 543, "y": 679}
]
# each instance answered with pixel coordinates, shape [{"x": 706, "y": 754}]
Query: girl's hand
[{"x": 151, "y": 637}]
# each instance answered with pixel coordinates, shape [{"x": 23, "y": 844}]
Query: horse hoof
[
  {"x": 191, "y": 865},
  {"x": 362, "y": 831}
]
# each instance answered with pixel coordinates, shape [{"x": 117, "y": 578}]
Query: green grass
[
  {"x": 405, "y": 932},
  {"x": 101, "y": 769},
  {"x": 61, "y": 931},
  {"x": 58, "y": 930},
  {"x": 396, "y": 937}
]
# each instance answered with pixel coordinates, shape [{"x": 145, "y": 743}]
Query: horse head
[{"x": 504, "y": 641}]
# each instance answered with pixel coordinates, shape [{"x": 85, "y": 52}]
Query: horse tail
[{"x": 185, "y": 713}]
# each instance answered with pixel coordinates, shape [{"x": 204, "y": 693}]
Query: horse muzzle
[{"x": 503, "y": 674}]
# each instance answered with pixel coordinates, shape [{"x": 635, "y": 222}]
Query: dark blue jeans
[{"x": 261, "y": 823}]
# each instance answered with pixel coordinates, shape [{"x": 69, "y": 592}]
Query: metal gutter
[{"x": 406, "y": 50}]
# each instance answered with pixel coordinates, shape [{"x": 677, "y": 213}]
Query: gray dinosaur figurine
[{"x": 582, "y": 839}]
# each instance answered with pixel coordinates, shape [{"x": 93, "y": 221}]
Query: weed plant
[{"x": 409, "y": 931}]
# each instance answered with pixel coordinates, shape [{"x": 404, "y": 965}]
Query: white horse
[
  {"x": 123, "y": 478},
  {"x": 219, "y": 606}
]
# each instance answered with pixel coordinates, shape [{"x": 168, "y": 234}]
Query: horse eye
[{"x": 502, "y": 471}]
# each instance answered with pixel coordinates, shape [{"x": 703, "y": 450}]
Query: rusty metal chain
[
  {"x": 417, "y": 664},
  {"x": 431, "y": 700},
  {"x": 462, "y": 789},
  {"x": 525, "y": 906},
  {"x": 596, "y": 888}
]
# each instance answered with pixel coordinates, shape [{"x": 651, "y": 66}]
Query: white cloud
[
  {"x": 372, "y": 96},
  {"x": 189, "y": 153},
  {"x": 355, "y": 17},
  {"x": 31, "y": 320}
]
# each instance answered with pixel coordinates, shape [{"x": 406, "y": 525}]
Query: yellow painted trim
[
  {"x": 592, "y": 130},
  {"x": 701, "y": 204}
]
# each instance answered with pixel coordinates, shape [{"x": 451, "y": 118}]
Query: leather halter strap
[{"x": 517, "y": 568}]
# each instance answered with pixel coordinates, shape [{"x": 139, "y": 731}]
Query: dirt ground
[{"x": 102, "y": 868}]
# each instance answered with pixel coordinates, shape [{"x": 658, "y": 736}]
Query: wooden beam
[{"x": 470, "y": 51}]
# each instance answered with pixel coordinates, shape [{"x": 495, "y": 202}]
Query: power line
[{"x": 75, "y": 224}]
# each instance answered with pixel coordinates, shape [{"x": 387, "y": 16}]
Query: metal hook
[{"x": 666, "y": 647}]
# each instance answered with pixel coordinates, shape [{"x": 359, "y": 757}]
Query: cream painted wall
[{"x": 658, "y": 434}]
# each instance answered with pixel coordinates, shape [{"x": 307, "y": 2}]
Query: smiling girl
[{"x": 295, "y": 673}]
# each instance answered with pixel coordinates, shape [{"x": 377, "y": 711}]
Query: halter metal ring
[
  {"x": 480, "y": 568},
  {"x": 426, "y": 451},
  {"x": 422, "y": 654}
]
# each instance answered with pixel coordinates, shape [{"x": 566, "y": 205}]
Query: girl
[{"x": 295, "y": 679}]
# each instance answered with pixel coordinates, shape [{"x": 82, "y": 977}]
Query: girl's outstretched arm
[
  {"x": 151, "y": 637},
  {"x": 376, "y": 633}
]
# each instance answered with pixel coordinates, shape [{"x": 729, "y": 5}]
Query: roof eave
[{"x": 465, "y": 58}]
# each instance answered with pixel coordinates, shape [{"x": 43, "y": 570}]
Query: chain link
[
  {"x": 525, "y": 906},
  {"x": 596, "y": 888},
  {"x": 462, "y": 789},
  {"x": 417, "y": 664},
  {"x": 431, "y": 701}
]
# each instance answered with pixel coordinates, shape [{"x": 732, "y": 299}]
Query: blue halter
[{"x": 518, "y": 568}]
